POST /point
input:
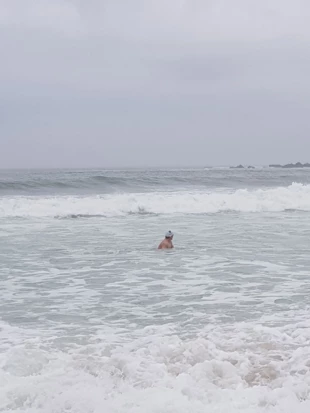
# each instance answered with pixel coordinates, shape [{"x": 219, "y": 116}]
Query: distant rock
[
  {"x": 251, "y": 167},
  {"x": 297, "y": 165},
  {"x": 237, "y": 167}
]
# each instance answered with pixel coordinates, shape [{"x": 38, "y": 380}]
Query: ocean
[{"x": 94, "y": 319}]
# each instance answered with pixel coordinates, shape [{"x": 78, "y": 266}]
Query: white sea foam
[
  {"x": 238, "y": 368},
  {"x": 294, "y": 197},
  {"x": 233, "y": 306}
]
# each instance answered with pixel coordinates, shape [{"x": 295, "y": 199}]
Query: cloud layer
[{"x": 153, "y": 83}]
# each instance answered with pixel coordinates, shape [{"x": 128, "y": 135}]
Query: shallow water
[{"x": 93, "y": 318}]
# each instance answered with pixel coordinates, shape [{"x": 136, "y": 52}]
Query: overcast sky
[{"x": 111, "y": 83}]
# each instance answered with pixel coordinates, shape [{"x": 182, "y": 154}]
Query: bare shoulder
[{"x": 164, "y": 245}]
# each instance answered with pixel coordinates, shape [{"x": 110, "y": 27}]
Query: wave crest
[{"x": 294, "y": 197}]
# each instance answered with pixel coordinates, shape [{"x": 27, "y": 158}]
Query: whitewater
[
  {"x": 94, "y": 319},
  {"x": 295, "y": 197}
]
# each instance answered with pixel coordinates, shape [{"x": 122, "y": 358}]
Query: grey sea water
[{"x": 93, "y": 318}]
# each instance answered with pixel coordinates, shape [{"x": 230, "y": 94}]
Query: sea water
[{"x": 94, "y": 319}]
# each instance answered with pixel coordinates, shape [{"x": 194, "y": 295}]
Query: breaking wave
[
  {"x": 294, "y": 197},
  {"x": 245, "y": 368}
]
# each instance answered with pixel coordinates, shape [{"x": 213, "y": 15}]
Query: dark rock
[
  {"x": 237, "y": 167},
  {"x": 297, "y": 165},
  {"x": 292, "y": 165},
  {"x": 251, "y": 167}
]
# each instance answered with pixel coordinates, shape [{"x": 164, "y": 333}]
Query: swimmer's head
[{"x": 169, "y": 235}]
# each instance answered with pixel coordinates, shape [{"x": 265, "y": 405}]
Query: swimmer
[{"x": 167, "y": 242}]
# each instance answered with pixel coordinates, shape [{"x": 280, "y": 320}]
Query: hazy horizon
[
  {"x": 149, "y": 84},
  {"x": 128, "y": 167}
]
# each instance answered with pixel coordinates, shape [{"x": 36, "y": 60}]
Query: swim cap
[{"x": 169, "y": 234}]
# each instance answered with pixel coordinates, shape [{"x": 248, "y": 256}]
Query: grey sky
[{"x": 154, "y": 82}]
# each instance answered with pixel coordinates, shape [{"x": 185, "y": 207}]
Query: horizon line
[{"x": 197, "y": 167}]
